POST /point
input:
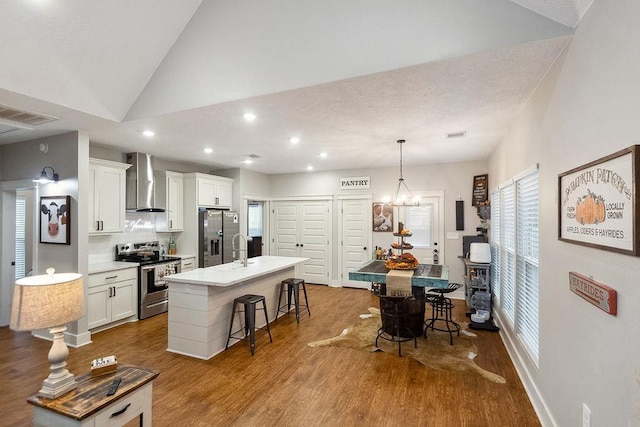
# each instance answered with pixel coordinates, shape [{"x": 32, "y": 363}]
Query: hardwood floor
[{"x": 286, "y": 383}]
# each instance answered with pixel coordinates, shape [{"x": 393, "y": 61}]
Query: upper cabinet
[
  {"x": 107, "y": 196},
  {"x": 214, "y": 191},
  {"x": 171, "y": 185}
]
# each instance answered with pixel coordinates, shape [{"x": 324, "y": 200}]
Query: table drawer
[
  {"x": 113, "y": 276},
  {"x": 124, "y": 410}
]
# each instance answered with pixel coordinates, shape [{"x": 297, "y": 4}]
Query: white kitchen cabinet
[
  {"x": 214, "y": 191},
  {"x": 171, "y": 184},
  {"x": 187, "y": 264},
  {"x": 106, "y": 196},
  {"x": 112, "y": 296}
]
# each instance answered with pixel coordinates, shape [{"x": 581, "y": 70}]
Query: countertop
[
  {"x": 101, "y": 267},
  {"x": 426, "y": 275},
  {"x": 233, "y": 273}
]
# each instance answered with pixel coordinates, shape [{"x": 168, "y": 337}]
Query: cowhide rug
[{"x": 434, "y": 352}]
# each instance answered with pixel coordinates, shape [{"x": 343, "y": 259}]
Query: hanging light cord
[{"x": 401, "y": 179}]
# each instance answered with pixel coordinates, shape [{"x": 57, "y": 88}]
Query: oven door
[{"x": 153, "y": 292}]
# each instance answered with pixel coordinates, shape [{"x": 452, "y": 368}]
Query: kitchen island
[{"x": 201, "y": 301}]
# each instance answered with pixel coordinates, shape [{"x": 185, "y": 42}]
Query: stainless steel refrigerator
[{"x": 216, "y": 230}]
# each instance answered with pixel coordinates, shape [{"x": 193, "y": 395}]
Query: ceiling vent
[{"x": 12, "y": 119}]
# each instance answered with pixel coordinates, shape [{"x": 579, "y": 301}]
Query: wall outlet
[{"x": 586, "y": 416}]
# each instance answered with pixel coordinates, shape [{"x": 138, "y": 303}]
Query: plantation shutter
[
  {"x": 495, "y": 245},
  {"x": 21, "y": 227},
  {"x": 508, "y": 251},
  {"x": 527, "y": 263}
]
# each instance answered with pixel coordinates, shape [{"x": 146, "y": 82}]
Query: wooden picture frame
[
  {"x": 480, "y": 192},
  {"x": 598, "y": 203},
  {"x": 382, "y": 219},
  {"x": 55, "y": 220}
]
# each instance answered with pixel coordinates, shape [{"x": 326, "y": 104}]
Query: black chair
[
  {"x": 441, "y": 311},
  {"x": 248, "y": 302},
  {"x": 293, "y": 287},
  {"x": 396, "y": 320}
]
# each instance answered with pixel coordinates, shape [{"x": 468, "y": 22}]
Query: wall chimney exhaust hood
[{"x": 141, "y": 185}]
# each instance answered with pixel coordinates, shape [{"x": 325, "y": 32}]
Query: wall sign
[
  {"x": 480, "y": 190},
  {"x": 598, "y": 203},
  {"x": 355, "y": 183},
  {"x": 602, "y": 296}
]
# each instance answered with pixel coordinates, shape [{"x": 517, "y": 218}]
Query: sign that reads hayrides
[
  {"x": 598, "y": 203},
  {"x": 602, "y": 296}
]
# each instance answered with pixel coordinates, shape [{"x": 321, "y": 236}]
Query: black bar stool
[
  {"x": 249, "y": 302},
  {"x": 293, "y": 286},
  {"x": 441, "y": 309}
]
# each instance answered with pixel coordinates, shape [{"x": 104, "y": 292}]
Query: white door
[
  {"x": 355, "y": 239},
  {"x": 303, "y": 228}
]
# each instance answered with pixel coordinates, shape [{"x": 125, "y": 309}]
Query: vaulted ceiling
[{"x": 348, "y": 78}]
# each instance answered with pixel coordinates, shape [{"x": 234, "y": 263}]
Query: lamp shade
[{"x": 46, "y": 301}]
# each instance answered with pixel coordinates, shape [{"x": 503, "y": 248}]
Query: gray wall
[{"x": 586, "y": 108}]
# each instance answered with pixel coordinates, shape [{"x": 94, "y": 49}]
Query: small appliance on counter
[
  {"x": 153, "y": 290},
  {"x": 216, "y": 231}
]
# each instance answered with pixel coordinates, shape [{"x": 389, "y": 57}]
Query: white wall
[
  {"x": 456, "y": 179},
  {"x": 586, "y": 108}
]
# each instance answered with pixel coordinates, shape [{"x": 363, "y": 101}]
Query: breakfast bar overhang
[{"x": 201, "y": 301}]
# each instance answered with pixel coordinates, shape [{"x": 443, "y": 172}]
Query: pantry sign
[{"x": 598, "y": 203}]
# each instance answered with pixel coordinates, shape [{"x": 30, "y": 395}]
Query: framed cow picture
[{"x": 55, "y": 219}]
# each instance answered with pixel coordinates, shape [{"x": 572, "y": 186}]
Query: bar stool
[
  {"x": 441, "y": 309},
  {"x": 293, "y": 286},
  {"x": 249, "y": 302}
]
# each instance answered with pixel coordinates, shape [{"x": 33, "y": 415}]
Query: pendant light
[{"x": 403, "y": 196}]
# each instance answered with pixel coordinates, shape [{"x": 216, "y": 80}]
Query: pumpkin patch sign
[{"x": 598, "y": 203}]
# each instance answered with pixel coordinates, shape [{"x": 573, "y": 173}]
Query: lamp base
[
  {"x": 60, "y": 380},
  {"x": 52, "y": 389}
]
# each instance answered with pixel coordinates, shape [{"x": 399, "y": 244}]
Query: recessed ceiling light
[
  {"x": 310, "y": 168},
  {"x": 208, "y": 150},
  {"x": 460, "y": 134},
  {"x": 323, "y": 155},
  {"x": 294, "y": 140},
  {"x": 247, "y": 161},
  {"x": 148, "y": 133},
  {"x": 249, "y": 117}
]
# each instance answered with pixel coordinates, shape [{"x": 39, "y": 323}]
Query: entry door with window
[
  {"x": 355, "y": 239},
  {"x": 427, "y": 228},
  {"x": 303, "y": 229}
]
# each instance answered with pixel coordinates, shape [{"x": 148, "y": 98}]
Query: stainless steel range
[{"x": 153, "y": 293}]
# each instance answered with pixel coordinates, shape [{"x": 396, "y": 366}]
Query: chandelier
[{"x": 403, "y": 196}]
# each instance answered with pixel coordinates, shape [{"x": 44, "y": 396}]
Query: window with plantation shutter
[
  {"x": 508, "y": 251},
  {"x": 21, "y": 240},
  {"x": 527, "y": 263},
  {"x": 495, "y": 246},
  {"x": 514, "y": 257}
]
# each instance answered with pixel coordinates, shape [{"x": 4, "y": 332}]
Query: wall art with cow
[{"x": 55, "y": 219}]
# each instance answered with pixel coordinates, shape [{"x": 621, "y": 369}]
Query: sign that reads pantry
[
  {"x": 354, "y": 182},
  {"x": 598, "y": 203}
]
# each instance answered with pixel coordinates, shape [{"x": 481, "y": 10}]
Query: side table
[{"x": 89, "y": 405}]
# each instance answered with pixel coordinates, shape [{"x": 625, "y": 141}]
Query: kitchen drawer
[{"x": 104, "y": 278}]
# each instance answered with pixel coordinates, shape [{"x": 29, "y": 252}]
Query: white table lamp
[{"x": 50, "y": 301}]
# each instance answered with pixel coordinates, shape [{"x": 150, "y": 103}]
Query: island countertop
[{"x": 232, "y": 273}]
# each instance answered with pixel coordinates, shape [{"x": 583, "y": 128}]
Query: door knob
[
  {"x": 297, "y": 245},
  {"x": 365, "y": 248}
]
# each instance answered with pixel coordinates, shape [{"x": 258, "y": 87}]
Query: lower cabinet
[
  {"x": 187, "y": 264},
  {"x": 112, "y": 296}
]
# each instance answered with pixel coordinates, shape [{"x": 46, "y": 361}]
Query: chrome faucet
[{"x": 243, "y": 251}]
